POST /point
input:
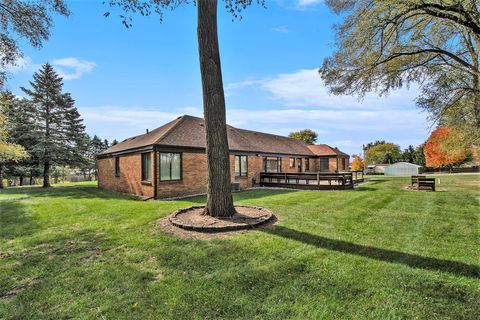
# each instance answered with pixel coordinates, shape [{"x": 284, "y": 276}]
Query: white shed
[{"x": 403, "y": 169}]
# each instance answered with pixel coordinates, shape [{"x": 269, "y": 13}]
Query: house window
[
  {"x": 323, "y": 164},
  {"x": 292, "y": 162},
  {"x": 272, "y": 164},
  {"x": 344, "y": 163},
  {"x": 241, "y": 165},
  {"x": 170, "y": 166},
  {"x": 307, "y": 165},
  {"x": 146, "y": 167},
  {"x": 299, "y": 164},
  {"x": 117, "y": 166}
]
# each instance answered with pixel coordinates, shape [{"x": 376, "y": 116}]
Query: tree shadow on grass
[
  {"x": 69, "y": 191},
  {"x": 411, "y": 260},
  {"x": 247, "y": 195},
  {"x": 14, "y": 220}
]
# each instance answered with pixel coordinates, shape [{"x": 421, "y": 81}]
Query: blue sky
[{"x": 127, "y": 80}]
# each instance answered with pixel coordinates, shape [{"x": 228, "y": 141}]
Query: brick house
[{"x": 170, "y": 161}]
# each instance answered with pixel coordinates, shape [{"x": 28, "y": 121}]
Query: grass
[{"x": 376, "y": 252}]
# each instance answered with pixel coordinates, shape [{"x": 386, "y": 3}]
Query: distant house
[
  {"x": 403, "y": 169},
  {"x": 170, "y": 161}
]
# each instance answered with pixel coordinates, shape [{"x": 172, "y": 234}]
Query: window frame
[
  {"x": 239, "y": 157},
  {"x": 160, "y": 167},
  {"x": 117, "y": 167},
  {"x": 325, "y": 161},
  {"x": 307, "y": 165},
  {"x": 292, "y": 163},
  {"x": 277, "y": 159},
  {"x": 299, "y": 165},
  {"x": 149, "y": 180}
]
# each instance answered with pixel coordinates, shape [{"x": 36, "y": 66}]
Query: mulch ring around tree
[{"x": 191, "y": 222}]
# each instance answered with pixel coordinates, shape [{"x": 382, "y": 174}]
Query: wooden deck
[{"x": 311, "y": 181}]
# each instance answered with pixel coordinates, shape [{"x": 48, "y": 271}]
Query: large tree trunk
[
  {"x": 20, "y": 180},
  {"x": 46, "y": 174},
  {"x": 219, "y": 192}
]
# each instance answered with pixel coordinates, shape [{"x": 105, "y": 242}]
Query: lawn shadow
[
  {"x": 68, "y": 191},
  {"x": 249, "y": 194},
  {"x": 411, "y": 260},
  {"x": 14, "y": 220}
]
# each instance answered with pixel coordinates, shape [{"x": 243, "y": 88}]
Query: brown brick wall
[
  {"x": 129, "y": 180},
  {"x": 194, "y": 177},
  {"x": 194, "y": 174}
]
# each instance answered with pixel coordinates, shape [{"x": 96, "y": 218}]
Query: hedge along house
[{"x": 170, "y": 161}]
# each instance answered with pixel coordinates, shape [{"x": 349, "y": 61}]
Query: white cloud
[
  {"x": 72, "y": 68},
  {"x": 22, "y": 64},
  {"x": 308, "y": 3},
  {"x": 281, "y": 29},
  {"x": 305, "y": 88}
]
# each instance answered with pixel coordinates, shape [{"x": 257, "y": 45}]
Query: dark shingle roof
[
  {"x": 326, "y": 150},
  {"x": 189, "y": 132}
]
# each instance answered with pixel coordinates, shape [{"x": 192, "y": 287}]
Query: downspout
[{"x": 155, "y": 172}]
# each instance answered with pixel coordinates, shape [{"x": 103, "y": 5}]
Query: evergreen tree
[
  {"x": 420, "y": 155},
  {"x": 21, "y": 130},
  {"x": 75, "y": 138},
  {"x": 9, "y": 152},
  {"x": 96, "y": 146},
  {"x": 48, "y": 102},
  {"x": 114, "y": 142},
  {"x": 409, "y": 154}
]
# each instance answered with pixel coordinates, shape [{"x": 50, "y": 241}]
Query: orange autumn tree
[
  {"x": 357, "y": 163},
  {"x": 437, "y": 154}
]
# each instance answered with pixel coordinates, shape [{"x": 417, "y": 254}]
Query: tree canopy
[
  {"x": 357, "y": 163},
  {"x": 437, "y": 154},
  {"x": 308, "y": 136},
  {"x": 384, "y": 45},
  {"x": 382, "y": 152}
]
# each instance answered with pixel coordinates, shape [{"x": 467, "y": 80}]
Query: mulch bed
[{"x": 191, "y": 222}]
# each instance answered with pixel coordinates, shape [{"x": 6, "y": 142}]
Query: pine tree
[
  {"x": 96, "y": 146},
  {"x": 75, "y": 138},
  {"x": 9, "y": 152},
  {"x": 21, "y": 130},
  {"x": 48, "y": 102}
]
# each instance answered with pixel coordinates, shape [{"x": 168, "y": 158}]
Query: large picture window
[
  {"x": 170, "y": 166},
  {"x": 146, "y": 167},
  {"x": 272, "y": 164},
  {"x": 241, "y": 166}
]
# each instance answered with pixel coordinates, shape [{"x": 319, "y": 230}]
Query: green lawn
[{"x": 376, "y": 252}]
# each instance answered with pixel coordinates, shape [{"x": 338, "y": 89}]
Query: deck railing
[
  {"x": 318, "y": 180},
  {"x": 357, "y": 175}
]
